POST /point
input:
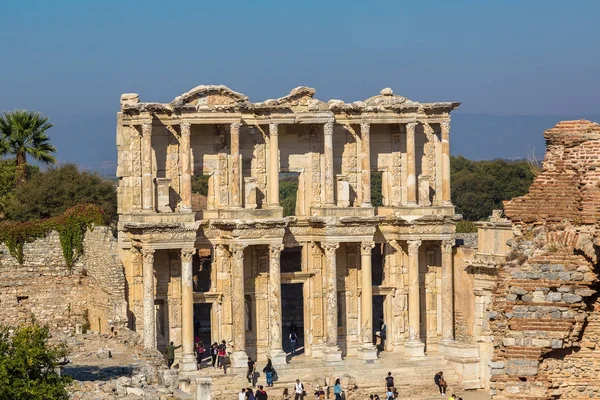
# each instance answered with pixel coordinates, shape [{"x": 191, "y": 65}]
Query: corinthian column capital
[
  {"x": 328, "y": 128},
  {"x": 146, "y": 129},
  {"x": 237, "y": 251},
  {"x": 187, "y": 254},
  {"x": 365, "y": 248},
  {"x": 235, "y": 128},
  {"x": 148, "y": 255},
  {"x": 365, "y": 128},
  {"x": 447, "y": 245},
  {"x": 410, "y": 127},
  {"x": 330, "y": 248},
  {"x": 275, "y": 250},
  {"x": 273, "y": 129},
  {"x": 186, "y": 128},
  {"x": 445, "y": 127},
  {"x": 413, "y": 246}
]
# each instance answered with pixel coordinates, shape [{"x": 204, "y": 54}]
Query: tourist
[
  {"x": 268, "y": 370},
  {"x": 199, "y": 353},
  {"x": 337, "y": 389},
  {"x": 293, "y": 328},
  {"x": 242, "y": 394},
  {"x": 170, "y": 352},
  {"x": 389, "y": 381},
  {"x": 382, "y": 334},
  {"x": 453, "y": 397},
  {"x": 250, "y": 394},
  {"x": 214, "y": 352},
  {"x": 319, "y": 393},
  {"x": 251, "y": 372},
  {"x": 286, "y": 394},
  {"x": 293, "y": 340},
  {"x": 389, "y": 395},
  {"x": 440, "y": 382},
  {"x": 376, "y": 397},
  {"x": 299, "y": 390},
  {"x": 260, "y": 393},
  {"x": 222, "y": 354}
]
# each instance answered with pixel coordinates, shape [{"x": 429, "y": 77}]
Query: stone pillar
[
  {"x": 411, "y": 171},
  {"x": 446, "y": 163},
  {"x": 447, "y": 292},
  {"x": 367, "y": 350},
  {"x": 188, "y": 362},
  {"x": 149, "y": 311},
  {"x": 239, "y": 358},
  {"x": 275, "y": 320},
  {"x": 365, "y": 142},
  {"x": 147, "y": 167},
  {"x": 274, "y": 165},
  {"x": 203, "y": 388},
  {"x": 414, "y": 346},
  {"x": 136, "y": 169},
  {"x": 328, "y": 148},
  {"x": 236, "y": 165},
  {"x": 332, "y": 351},
  {"x": 186, "y": 168}
]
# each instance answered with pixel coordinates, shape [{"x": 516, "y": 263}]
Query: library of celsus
[{"x": 209, "y": 252}]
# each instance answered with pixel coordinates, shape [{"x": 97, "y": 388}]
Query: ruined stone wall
[
  {"x": 544, "y": 315},
  {"x": 44, "y": 287}
]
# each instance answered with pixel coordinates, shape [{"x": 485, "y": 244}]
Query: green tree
[
  {"x": 478, "y": 187},
  {"x": 7, "y": 180},
  {"x": 288, "y": 189},
  {"x": 51, "y": 193},
  {"x": 23, "y": 133},
  {"x": 27, "y": 365}
]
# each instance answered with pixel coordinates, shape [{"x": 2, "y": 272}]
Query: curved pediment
[
  {"x": 387, "y": 98},
  {"x": 301, "y": 96},
  {"x": 210, "y": 95}
]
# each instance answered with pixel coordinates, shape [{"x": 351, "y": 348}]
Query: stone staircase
[{"x": 413, "y": 378}]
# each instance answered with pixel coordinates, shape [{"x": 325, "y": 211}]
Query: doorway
[
  {"x": 292, "y": 314},
  {"x": 378, "y": 314},
  {"x": 202, "y": 323}
]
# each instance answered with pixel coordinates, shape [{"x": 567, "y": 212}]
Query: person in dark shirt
[
  {"x": 170, "y": 352},
  {"x": 389, "y": 381},
  {"x": 440, "y": 382},
  {"x": 251, "y": 372},
  {"x": 260, "y": 394}
]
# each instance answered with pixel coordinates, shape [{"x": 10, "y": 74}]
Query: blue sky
[{"x": 72, "y": 59}]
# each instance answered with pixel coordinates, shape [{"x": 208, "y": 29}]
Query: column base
[
  {"x": 444, "y": 344},
  {"x": 367, "y": 353},
  {"x": 415, "y": 348},
  {"x": 278, "y": 357},
  {"x": 239, "y": 359},
  {"x": 332, "y": 354},
  {"x": 188, "y": 363},
  {"x": 364, "y": 205}
]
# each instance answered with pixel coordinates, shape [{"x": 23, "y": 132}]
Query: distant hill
[{"x": 90, "y": 143}]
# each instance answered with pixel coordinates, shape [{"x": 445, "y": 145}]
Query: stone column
[
  {"x": 186, "y": 168},
  {"x": 236, "y": 165},
  {"x": 275, "y": 321},
  {"x": 147, "y": 167},
  {"x": 367, "y": 350},
  {"x": 188, "y": 362},
  {"x": 239, "y": 358},
  {"x": 365, "y": 143},
  {"x": 414, "y": 346},
  {"x": 149, "y": 311},
  {"x": 411, "y": 171},
  {"x": 445, "y": 126},
  {"x": 328, "y": 148},
  {"x": 332, "y": 351},
  {"x": 274, "y": 165},
  {"x": 447, "y": 292}
]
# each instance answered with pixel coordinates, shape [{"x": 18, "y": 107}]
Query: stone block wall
[
  {"x": 544, "y": 315},
  {"x": 44, "y": 287}
]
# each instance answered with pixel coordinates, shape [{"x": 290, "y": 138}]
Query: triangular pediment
[
  {"x": 210, "y": 95},
  {"x": 387, "y": 98}
]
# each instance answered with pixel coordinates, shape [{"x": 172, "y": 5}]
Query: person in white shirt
[
  {"x": 299, "y": 390},
  {"x": 242, "y": 394}
]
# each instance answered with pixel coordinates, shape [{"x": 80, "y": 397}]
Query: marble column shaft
[
  {"x": 328, "y": 148},
  {"x": 365, "y": 145},
  {"x": 331, "y": 307},
  {"x": 186, "y": 168},
  {"x": 414, "y": 301},
  {"x": 147, "y": 195},
  {"x": 236, "y": 173},
  {"x": 238, "y": 298},
  {"x": 445, "y": 127},
  {"x": 273, "y": 165},
  {"x": 275, "y": 317},
  {"x": 366, "y": 297},
  {"x": 447, "y": 291},
  {"x": 149, "y": 311},
  {"x": 187, "y": 310},
  {"x": 411, "y": 172}
]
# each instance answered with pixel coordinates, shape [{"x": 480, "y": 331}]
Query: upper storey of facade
[{"x": 332, "y": 148}]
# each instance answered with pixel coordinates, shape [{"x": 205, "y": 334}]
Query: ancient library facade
[{"x": 209, "y": 253}]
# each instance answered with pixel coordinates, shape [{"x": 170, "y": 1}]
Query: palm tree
[{"x": 24, "y": 132}]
